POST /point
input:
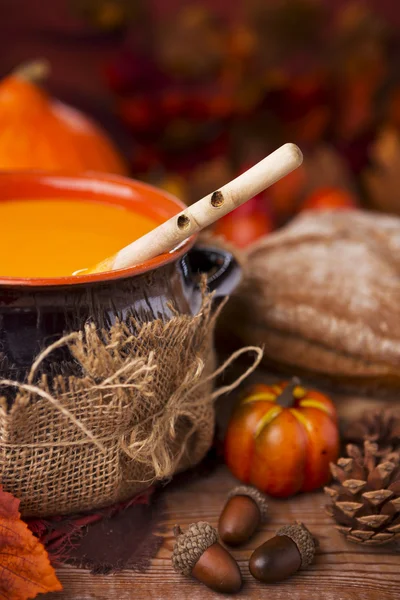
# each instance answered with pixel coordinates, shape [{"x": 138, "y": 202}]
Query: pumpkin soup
[{"x": 54, "y": 238}]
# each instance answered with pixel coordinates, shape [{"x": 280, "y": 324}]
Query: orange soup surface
[{"x": 54, "y": 238}]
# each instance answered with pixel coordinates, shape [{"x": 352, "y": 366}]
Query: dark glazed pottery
[{"x": 36, "y": 312}]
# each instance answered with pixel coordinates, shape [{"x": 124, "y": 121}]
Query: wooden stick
[{"x": 206, "y": 211}]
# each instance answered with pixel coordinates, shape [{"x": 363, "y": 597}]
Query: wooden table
[{"x": 341, "y": 571}]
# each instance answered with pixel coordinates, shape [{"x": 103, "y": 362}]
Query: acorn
[
  {"x": 197, "y": 553},
  {"x": 244, "y": 511},
  {"x": 292, "y": 548}
]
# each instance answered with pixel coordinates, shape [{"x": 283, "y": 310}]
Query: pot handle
[{"x": 222, "y": 269}]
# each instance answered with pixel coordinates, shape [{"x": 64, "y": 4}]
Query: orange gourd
[
  {"x": 281, "y": 439},
  {"x": 329, "y": 198},
  {"x": 38, "y": 132},
  {"x": 245, "y": 225}
]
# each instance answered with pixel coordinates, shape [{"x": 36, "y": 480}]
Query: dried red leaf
[{"x": 25, "y": 569}]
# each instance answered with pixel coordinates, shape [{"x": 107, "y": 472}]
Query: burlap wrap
[{"x": 142, "y": 410}]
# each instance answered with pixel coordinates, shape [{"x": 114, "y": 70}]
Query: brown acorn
[
  {"x": 292, "y": 548},
  {"x": 197, "y": 553},
  {"x": 244, "y": 511}
]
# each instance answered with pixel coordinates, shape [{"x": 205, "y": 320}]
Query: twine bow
[{"x": 155, "y": 437}]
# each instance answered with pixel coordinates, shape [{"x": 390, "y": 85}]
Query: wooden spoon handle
[{"x": 206, "y": 211}]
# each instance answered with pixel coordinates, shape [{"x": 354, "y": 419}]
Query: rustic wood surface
[{"x": 341, "y": 571}]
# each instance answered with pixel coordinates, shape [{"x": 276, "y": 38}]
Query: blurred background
[{"x": 192, "y": 93}]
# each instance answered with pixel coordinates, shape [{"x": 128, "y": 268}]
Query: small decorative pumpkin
[
  {"x": 37, "y": 132},
  {"x": 281, "y": 439}
]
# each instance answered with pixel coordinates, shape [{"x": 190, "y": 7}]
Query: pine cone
[
  {"x": 366, "y": 497},
  {"x": 378, "y": 426}
]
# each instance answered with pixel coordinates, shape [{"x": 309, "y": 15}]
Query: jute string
[
  {"x": 135, "y": 449},
  {"x": 166, "y": 419}
]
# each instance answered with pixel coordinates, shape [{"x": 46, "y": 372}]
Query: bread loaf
[{"x": 323, "y": 297}]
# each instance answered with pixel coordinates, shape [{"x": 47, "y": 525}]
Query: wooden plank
[{"x": 341, "y": 571}]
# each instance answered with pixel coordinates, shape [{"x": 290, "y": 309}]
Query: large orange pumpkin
[
  {"x": 281, "y": 439},
  {"x": 37, "y": 132}
]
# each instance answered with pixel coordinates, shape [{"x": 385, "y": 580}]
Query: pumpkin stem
[
  {"x": 285, "y": 400},
  {"x": 33, "y": 71}
]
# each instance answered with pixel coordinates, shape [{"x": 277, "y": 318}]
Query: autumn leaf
[{"x": 25, "y": 569}]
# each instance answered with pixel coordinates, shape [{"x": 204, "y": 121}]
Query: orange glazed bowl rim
[{"x": 101, "y": 187}]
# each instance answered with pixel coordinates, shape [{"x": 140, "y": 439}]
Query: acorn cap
[
  {"x": 191, "y": 544},
  {"x": 258, "y": 497},
  {"x": 303, "y": 539}
]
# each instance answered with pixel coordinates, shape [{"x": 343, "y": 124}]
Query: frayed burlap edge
[{"x": 141, "y": 411}]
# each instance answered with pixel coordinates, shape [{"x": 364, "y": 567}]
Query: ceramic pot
[{"x": 35, "y": 311}]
